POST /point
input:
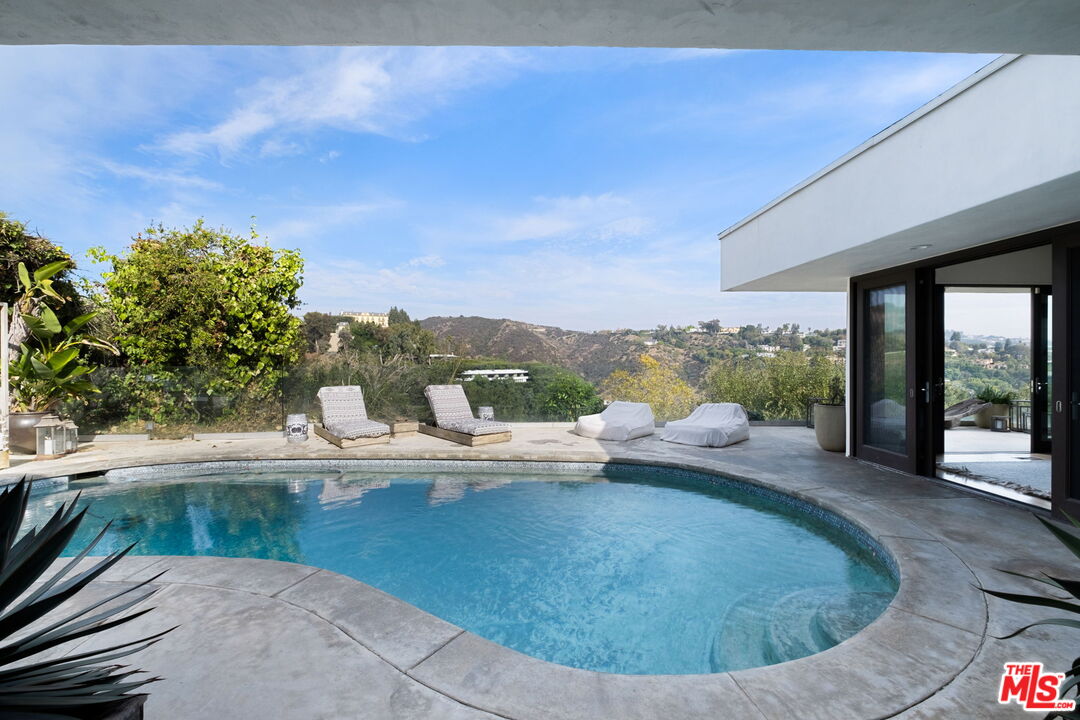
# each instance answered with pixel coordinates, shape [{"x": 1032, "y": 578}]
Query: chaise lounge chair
[
  {"x": 454, "y": 419},
  {"x": 344, "y": 418},
  {"x": 710, "y": 425},
  {"x": 620, "y": 421},
  {"x": 966, "y": 408}
]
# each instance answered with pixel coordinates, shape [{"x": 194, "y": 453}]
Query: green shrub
[{"x": 776, "y": 388}]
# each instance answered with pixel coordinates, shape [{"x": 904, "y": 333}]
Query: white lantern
[{"x": 51, "y": 438}]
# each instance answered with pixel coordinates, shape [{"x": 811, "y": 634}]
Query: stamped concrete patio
[{"x": 262, "y": 639}]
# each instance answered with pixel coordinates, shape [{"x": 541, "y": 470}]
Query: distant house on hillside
[
  {"x": 514, "y": 375},
  {"x": 380, "y": 319}
]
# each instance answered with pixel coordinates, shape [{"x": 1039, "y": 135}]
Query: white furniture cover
[
  {"x": 619, "y": 421},
  {"x": 710, "y": 425}
]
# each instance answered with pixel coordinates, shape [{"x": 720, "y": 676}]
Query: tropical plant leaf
[
  {"x": 77, "y": 323},
  {"x": 1070, "y": 541},
  {"x": 49, "y": 319},
  {"x": 1064, "y": 622},
  {"x": 58, "y": 360},
  {"x": 24, "y": 277},
  {"x": 47, "y": 271}
]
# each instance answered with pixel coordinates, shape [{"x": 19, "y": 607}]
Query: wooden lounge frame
[
  {"x": 464, "y": 438},
  {"x": 349, "y": 442}
]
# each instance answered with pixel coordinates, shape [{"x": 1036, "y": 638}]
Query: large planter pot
[
  {"x": 830, "y": 427},
  {"x": 982, "y": 418},
  {"x": 21, "y": 435}
]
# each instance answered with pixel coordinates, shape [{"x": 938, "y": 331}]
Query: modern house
[
  {"x": 977, "y": 191},
  {"x": 512, "y": 374}
]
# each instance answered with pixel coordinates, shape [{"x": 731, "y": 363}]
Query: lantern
[
  {"x": 296, "y": 427},
  {"x": 51, "y": 437},
  {"x": 486, "y": 412},
  {"x": 72, "y": 432}
]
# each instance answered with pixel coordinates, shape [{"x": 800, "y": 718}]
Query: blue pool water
[{"x": 624, "y": 571}]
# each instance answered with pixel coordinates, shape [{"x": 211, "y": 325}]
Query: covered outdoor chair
[
  {"x": 710, "y": 425},
  {"x": 620, "y": 421},
  {"x": 966, "y": 408},
  {"x": 344, "y": 418},
  {"x": 454, "y": 419}
]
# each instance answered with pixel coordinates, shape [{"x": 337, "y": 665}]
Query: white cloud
[
  {"x": 371, "y": 90},
  {"x": 161, "y": 177},
  {"x": 428, "y": 261},
  {"x": 308, "y": 223},
  {"x": 276, "y": 147},
  {"x": 584, "y": 217}
]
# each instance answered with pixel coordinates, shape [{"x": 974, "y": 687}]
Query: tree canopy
[{"x": 208, "y": 299}]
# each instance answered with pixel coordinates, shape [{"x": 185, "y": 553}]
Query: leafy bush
[
  {"x": 654, "y": 383},
  {"x": 996, "y": 396},
  {"x": 207, "y": 299},
  {"x": 776, "y": 388}
]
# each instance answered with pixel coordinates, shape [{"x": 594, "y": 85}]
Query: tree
[
  {"x": 398, "y": 316},
  {"x": 19, "y": 246},
  {"x": 207, "y": 299},
  {"x": 710, "y": 326},
  {"x": 316, "y": 329},
  {"x": 752, "y": 334},
  {"x": 568, "y": 397},
  {"x": 654, "y": 383}
]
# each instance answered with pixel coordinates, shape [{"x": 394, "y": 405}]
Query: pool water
[{"x": 619, "y": 572}]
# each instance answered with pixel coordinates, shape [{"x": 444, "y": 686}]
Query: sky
[{"x": 577, "y": 187}]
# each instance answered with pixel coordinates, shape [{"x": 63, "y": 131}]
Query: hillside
[{"x": 592, "y": 354}]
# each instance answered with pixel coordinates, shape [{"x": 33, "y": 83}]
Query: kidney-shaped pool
[{"x": 615, "y": 568}]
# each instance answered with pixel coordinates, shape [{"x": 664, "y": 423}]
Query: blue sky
[{"x": 564, "y": 186}]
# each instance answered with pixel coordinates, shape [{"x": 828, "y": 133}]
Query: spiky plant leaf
[{"x": 64, "y": 687}]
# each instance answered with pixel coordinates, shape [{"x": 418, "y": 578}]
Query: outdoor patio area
[
  {"x": 261, "y": 639},
  {"x": 1003, "y": 459}
]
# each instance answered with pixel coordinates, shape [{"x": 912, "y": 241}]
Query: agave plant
[
  {"x": 81, "y": 685},
  {"x": 1067, "y": 603}
]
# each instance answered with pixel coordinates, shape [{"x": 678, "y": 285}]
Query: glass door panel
[{"x": 884, "y": 368}]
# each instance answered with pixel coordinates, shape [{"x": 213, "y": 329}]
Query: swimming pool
[{"x": 621, "y": 569}]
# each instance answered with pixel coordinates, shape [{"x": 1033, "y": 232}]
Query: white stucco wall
[{"x": 996, "y": 157}]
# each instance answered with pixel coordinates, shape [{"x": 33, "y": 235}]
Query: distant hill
[{"x": 594, "y": 355}]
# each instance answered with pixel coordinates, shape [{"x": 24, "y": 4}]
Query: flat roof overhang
[
  {"x": 1017, "y": 26},
  {"x": 995, "y": 157}
]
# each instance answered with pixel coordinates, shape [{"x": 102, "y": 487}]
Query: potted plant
[
  {"x": 1000, "y": 401},
  {"x": 47, "y": 366},
  {"x": 85, "y": 684},
  {"x": 830, "y": 418}
]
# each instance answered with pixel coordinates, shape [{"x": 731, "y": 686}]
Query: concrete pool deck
[{"x": 263, "y": 639}]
